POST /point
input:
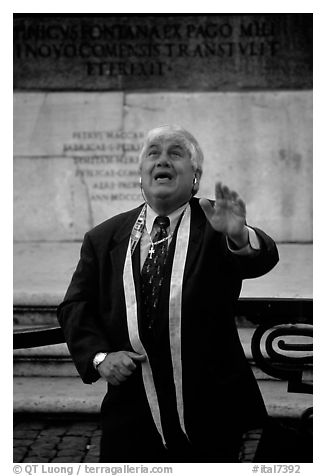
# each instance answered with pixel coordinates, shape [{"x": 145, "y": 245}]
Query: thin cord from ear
[{"x": 142, "y": 191}]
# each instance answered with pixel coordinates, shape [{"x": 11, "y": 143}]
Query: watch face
[{"x": 99, "y": 359}]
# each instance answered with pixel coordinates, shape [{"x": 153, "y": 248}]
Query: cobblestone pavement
[
  {"x": 77, "y": 440},
  {"x": 50, "y": 441},
  {"x": 71, "y": 441}
]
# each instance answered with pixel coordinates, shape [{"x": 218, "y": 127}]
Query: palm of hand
[
  {"x": 228, "y": 214},
  {"x": 228, "y": 217}
]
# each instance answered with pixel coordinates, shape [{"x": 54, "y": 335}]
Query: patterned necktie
[{"x": 153, "y": 269}]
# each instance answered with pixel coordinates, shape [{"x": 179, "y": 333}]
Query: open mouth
[{"x": 163, "y": 177}]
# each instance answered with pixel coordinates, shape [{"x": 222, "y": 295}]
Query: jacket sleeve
[
  {"x": 260, "y": 262},
  {"x": 78, "y": 314}
]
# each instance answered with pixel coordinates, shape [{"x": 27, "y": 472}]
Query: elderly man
[{"x": 150, "y": 310}]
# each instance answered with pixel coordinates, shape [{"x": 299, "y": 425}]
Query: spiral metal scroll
[{"x": 278, "y": 365}]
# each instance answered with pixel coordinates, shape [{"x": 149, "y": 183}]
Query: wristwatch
[{"x": 98, "y": 359}]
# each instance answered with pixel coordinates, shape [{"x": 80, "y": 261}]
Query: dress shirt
[{"x": 150, "y": 229}]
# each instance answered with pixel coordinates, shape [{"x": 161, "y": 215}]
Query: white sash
[
  {"x": 174, "y": 315},
  {"x": 175, "y": 305}
]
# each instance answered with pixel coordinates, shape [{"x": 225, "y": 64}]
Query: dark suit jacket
[{"x": 217, "y": 381}]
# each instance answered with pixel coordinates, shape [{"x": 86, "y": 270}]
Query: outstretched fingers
[
  {"x": 242, "y": 205},
  {"x": 223, "y": 192},
  {"x": 218, "y": 191}
]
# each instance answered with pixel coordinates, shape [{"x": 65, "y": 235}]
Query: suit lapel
[
  {"x": 197, "y": 225},
  {"x": 121, "y": 240}
]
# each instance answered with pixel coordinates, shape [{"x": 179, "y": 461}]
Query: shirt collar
[{"x": 174, "y": 217}]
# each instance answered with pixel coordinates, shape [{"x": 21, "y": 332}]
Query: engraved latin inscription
[{"x": 107, "y": 163}]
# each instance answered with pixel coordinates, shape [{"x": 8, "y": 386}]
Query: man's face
[{"x": 167, "y": 172}]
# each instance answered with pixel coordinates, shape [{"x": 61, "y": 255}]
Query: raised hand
[
  {"x": 118, "y": 366},
  {"x": 227, "y": 215}
]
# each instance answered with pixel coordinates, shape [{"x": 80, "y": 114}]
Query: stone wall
[{"x": 76, "y": 156}]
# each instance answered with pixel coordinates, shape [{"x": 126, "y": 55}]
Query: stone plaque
[
  {"x": 175, "y": 52},
  {"x": 76, "y": 156}
]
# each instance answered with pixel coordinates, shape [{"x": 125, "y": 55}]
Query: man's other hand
[{"x": 118, "y": 366}]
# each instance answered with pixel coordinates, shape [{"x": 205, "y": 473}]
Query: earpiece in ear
[{"x": 194, "y": 186}]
